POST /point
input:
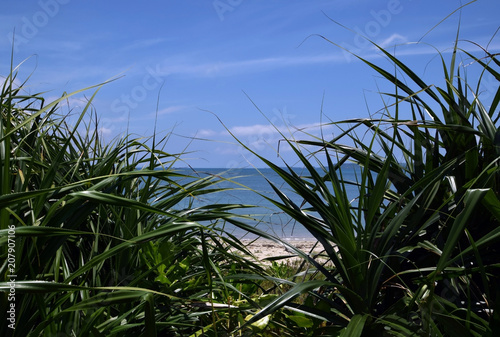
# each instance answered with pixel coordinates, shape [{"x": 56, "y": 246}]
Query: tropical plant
[
  {"x": 102, "y": 239},
  {"x": 417, "y": 251}
]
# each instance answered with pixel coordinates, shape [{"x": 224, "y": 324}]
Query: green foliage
[
  {"x": 106, "y": 239},
  {"x": 417, "y": 250}
]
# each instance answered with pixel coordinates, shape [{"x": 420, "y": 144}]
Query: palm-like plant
[
  {"x": 106, "y": 239},
  {"x": 417, "y": 252}
]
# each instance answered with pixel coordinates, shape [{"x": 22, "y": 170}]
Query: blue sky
[{"x": 248, "y": 62}]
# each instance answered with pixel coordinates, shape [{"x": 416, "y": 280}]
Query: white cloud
[
  {"x": 407, "y": 48},
  {"x": 106, "y": 132},
  {"x": 252, "y": 130},
  {"x": 229, "y": 68},
  {"x": 392, "y": 40},
  {"x": 206, "y": 133},
  {"x": 236, "y": 67},
  {"x": 145, "y": 43},
  {"x": 171, "y": 109},
  {"x": 260, "y": 134},
  {"x": 228, "y": 150},
  {"x": 72, "y": 102}
]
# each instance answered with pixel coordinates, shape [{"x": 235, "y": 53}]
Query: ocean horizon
[{"x": 250, "y": 186}]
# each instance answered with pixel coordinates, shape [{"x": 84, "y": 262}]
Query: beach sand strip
[{"x": 263, "y": 249}]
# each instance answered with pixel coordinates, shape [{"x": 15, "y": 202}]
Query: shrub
[
  {"x": 105, "y": 237},
  {"x": 417, "y": 251}
]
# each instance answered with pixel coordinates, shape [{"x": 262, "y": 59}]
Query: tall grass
[
  {"x": 417, "y": 252},
  {"x": 106, "y": 239}
]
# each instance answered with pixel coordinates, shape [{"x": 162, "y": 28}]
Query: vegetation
[
  {"x": 107, "y": 243},
  {"x": 417, "y": 252}
]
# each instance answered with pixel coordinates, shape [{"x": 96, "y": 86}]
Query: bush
[
  {"x": 104, "y": 239},
  {"x": 417, "y": 251}
]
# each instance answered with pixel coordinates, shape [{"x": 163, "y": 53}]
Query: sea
[{"x": 249, "y": 185}]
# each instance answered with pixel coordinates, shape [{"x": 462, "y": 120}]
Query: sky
[{"x": 206, "y": 71}]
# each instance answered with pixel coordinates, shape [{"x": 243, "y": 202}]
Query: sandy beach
[{"x": 262, "y": 248}]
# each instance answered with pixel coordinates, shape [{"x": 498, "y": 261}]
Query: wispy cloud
[
  {"x": 268, "y": 129},
  {"x": 415, "y": 48},
  {"x": 237, "y": 67},
  {"x": 106, "y": 132},
  {"x": 203, "y": 133},
  {"x": 209, "y": 69},
  {"x": 171, "y": 109},
  {"x": 252, "y": 130},
  {"x": 262, "y": 137},
  {"x": 145, "y": 43},
  {"x": 258, "y": 135},
  {"x": 392, "y": 40}
]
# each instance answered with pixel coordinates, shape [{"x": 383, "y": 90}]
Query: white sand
[{"x": 262, "y": 248}]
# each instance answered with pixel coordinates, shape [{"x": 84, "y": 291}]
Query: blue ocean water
[{"x": 249, "y": 185}]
